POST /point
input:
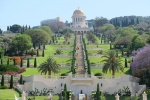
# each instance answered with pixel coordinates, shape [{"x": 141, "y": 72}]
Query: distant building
[
  {"x": 49, "y": 21},
  {"x": 79, "y": 23},
  {"x": 90, "y": 22},
  {"x": 9, "y": 34}
]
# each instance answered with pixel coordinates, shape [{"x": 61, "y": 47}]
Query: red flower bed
[{"x": 10, "y": 73}]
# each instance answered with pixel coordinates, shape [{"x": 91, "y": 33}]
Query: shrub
[
  {"x": 98, "y": 74},
  {"x": 3, "y": 87},
  {"x": 58, "y": 51},
  {"x": 64, "y": 74},
  {"x": 21, "y": 70},
  {"x": 99, "y": 52},
  {"x": 17, "y": 59},
  {"x": 5, "y": 68}
]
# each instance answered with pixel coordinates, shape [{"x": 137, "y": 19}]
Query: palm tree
[
  {"x": 112, "y": 63},
  {"x": 50, "y": 65}
]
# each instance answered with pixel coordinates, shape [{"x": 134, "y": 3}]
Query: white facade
[
  {"x": 79, "y": 23},
  {"x": 86, "y": 83}
]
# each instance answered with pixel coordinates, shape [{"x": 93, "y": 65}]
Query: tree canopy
[
  {"x": 38, "y": 36},
  {"x": 15, "y": 28},
  {"x": 21, "y": 43}
]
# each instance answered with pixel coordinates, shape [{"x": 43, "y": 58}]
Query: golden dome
[{"x": 78, "y": 12}]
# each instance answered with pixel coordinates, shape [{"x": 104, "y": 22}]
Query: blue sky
[{"x": 31, "y": 12}]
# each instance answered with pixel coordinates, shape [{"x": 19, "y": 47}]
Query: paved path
[{"x": 79, "y": 57}]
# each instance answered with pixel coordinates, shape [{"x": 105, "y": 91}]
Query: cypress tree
[
  {"x": 1, "y": 60},
  {"x": 43, "y": 53},
  {"x": 21, "y": 80},
  {"x": 14, "y": 61},
  {"x": 29, "y": 27},
  {"x": 8, "y": 28},
  {"x": 35, "y": 63},
  {"x": 21, "y": 63},
  {"x": 2, "y": 80},
  {"x": 43, "y": 46},
  {"x": 37, "y": 53},
  {"x": 101, "y": 40},
  {"x": 110, "y": 46},
  {"x": 126, "y": 63},
  {"x": 137, "y": 21},
  {"x": 8, "y": 61},
  {"x": 26, "y": 52},
  {"x": 11, "y": 82},
  {"x": 39, "y": 46},
  {"x": 28, "y": 63},
  {"x": 98, "y": 93}
]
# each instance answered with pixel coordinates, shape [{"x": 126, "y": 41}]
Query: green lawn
[
  {"x": 34, "y": 71},
  {"x": 7, "y": 94},
  {"x": 109, "y": 74}
]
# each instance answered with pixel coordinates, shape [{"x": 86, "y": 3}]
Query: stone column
[
  {"x": 144, "y": 96},
  {"x": 23, "y": 95},
  {"x": 117, "y": 97}
]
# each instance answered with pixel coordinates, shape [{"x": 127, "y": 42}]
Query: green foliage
[
  {"x": 48, "y": 30},
  {"x": 2, "y": 80},
  {"x": 28, "y": 63},
  {"x": 14, "y": 61},
  {"x": 15, "y": 28},
  {"x": 100, "y": 52},
  {"x": 21, "y": 63},
  {"x": 98, "y": 74},
  {"x": 8, "y": 61},
  {"x": 1, "y": 52},
  {"x": 64, "y": 74},
  {"x": 3, "y": 87},
  {"x": 91, "y": 37},
  {"x": 50, "y": 65},
  {"x": 43, "y": 53},
  {"x": 126, "y": 63},
  {"x": 37, "y": 52},
  {"x": 136, "y": 43},
  {"x": 4, "y": 68},
  {"x": 21, "y": 43},
  {"x": 38, "y": 36},
  {"x": 58, "y": 51},
  {"x": 21, "y": 80},
  {"x": 35, "y": 63},
  {"x": 112, "y": 63},
  {"x": 11, "y": 82}
]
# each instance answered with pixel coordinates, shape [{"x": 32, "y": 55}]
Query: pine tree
[
  {"x": 2, "y": 80},
  {"x": 35, "y": 63},
  {"x": 126, "y": 63},
  {"x": 43, "y": 53},
  {"x": 21, "y": 80},
  {"x": 14, "y": 61},
  {"x": 21, "y": 63},
  {"x": 8, "y": 61},
  {"x": 11, "y": 82},
  {"x": 28, "y": 63},
  {"x": 37, "y": 53}
]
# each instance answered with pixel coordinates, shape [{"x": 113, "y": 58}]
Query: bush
[
  {"x": 3, "y": 87},
  {"x": 99, "y": 52},
  {"x": 64, "y": 74},
  {"x": 5, "y": 68},
  {"x": 21, "y": 70},
  {"x": 98, "y": 74}
]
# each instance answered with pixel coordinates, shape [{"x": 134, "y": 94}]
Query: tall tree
[
  {"x": 21, "y": 63},
  {"x": 2, "y": 80},
  {"x": 35, "y": 63},
  {"x": 21, "y": 80},
  {"x": 43, "y": 53},
  {"x": 15, "y": 28},
  {"x": 11, "y": 82},
  {"x": 38, "y": 36},
  {"x": 14, "y": 61},
  {"x": 37, "y": 53},
  {"x": 126, "y": 63},
  {"x": 112, "y": 63},
  {"x": 20, "y": 43},
  {"x": 28, "y": 63},
  {"x": 50, "y": 65}
]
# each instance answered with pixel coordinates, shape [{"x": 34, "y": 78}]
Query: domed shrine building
[{"x": 79, "y": 23}]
